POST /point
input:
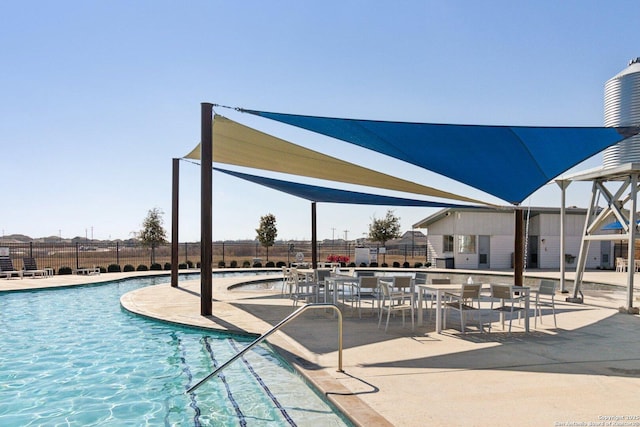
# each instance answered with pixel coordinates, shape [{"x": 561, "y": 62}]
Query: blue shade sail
[
  {"x": 509, "y": 162},
  {"x": 316, "y": 193}
]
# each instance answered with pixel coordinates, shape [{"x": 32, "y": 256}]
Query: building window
[
  {"x": 467, "y": 244},
  {"x": 447, "y": 243}
]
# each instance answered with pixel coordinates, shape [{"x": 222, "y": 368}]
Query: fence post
[
  {"x": 118, "y": 253},
  {"x": 223, "y": 252},
  {"x": 77, "y": 257},
  {"x": 30, "y": 249}
]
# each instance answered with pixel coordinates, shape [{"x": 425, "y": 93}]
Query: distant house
[
  {"x": 483, "y": 238},
  {"x": 409, "y": 238}
]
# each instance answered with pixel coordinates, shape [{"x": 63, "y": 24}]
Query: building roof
[{"x": 533, "y": 211}]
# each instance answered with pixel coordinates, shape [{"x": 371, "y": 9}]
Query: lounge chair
[
  {"x": 7, "y": 270},
  {"x": 31, "y": 268}
]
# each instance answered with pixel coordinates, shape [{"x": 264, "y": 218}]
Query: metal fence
[{"x": 231, "y": 253}]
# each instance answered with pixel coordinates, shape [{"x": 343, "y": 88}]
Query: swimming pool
[{"x": 74, "y": 357}]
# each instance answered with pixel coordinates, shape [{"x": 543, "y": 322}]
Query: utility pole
[{"x": 333, "y": 238}]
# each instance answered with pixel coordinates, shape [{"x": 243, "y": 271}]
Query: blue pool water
[{"x": 74, "y": 357}]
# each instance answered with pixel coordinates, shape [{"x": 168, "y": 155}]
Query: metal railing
[{"x": 271, "y": 331}]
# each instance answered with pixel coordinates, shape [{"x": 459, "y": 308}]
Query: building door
[
  {"x": 605, "y": 254},
  {"x": 532, "y": 251},
  {"x": 484, "y": 249}
]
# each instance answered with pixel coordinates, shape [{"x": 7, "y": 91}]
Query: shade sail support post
[
  {"x": 314, "y": 237},
  {"x": 633, "y": 232},
  {"x": 206, "y": 208},
  {"x": 174, "y": 221},
  {"x": 518, "y": 252},
  {"x": 563, "y": 184}
]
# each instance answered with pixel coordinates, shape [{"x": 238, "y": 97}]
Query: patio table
[
  {"x": 333, "y": 283},
  {"x": 441, "y": 289}
]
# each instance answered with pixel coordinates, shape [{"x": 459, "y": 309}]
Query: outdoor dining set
[{"x": 413, "y": 294}]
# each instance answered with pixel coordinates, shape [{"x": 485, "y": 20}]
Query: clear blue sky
[{"x": 99, "y": 96}]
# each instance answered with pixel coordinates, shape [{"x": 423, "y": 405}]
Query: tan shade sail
[{"x": 239, "y": 145}]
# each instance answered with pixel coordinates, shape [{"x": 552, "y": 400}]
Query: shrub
[
  {"x": 114, "y": 268},
  {"x": 234, "y": 264},
  {"x": 142, "y": 267},
  {"x": 374, "y": 264},
  {"x": 396, "y": 264},
  {"x": 197, "y": 264},
  {"x": 428, "y": 264},
  {"x": 102, "y": 269},
  {"x": 384, "y": 264},
  {"x": 128, "y": 267},
  {"x": 156, "y": 266},
  {"x": 246, "y": 264},
  {"x": 352, "y": 264},
  {"x": 167, "y": 266},
  {"x": 190, "y": 264},
  {"x": 270, "y": 264},
  {"x": 405, "y": 264},
  {"x": 182, "y": 266},
  {"x": 417, "y": 265},
  {"x": 257, "y": 265},
  {"x": 363, "y": 264},
  {"x": 65, "y": 270},
  {"x": 281, "y": 264},
  {"x": 221, "y": 264}
]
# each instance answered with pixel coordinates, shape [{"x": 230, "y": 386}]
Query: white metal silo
[{"x": 622, "y": 108}]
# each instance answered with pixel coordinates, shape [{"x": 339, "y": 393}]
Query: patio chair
[
  {"x": 392, "y": 304},
  {"x": 404, "y": 287},
  {"x": 547, "y": 290},
  {"x": 31, "y": 268},
  {"x": 302, "y": 290},
  {"x": 7, "y": 270},
  {"x": 509, "y": 299},
  {"x": 320, "y": 277},
  {"x": 367, "y": 290},
  {"x": 464, "y": 302}
]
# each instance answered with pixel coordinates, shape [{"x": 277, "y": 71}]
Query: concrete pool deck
[{"x": 586, "y": 372}]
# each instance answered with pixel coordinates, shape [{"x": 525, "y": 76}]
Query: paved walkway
[{"x": 586, "y": 372}]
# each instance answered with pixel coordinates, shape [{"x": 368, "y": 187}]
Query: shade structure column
[
  {"x": 174, "y": 222},
  {"x": 518, "y": 252},
  {"x": 206, "y": 208},
  {"x": 633, "y": 231},
  {"x": 563, "y": 184},
  {"x": 314, "y": 238}
]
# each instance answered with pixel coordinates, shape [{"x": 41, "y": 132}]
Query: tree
[
  {"x": 267, "y": 232},
  {"x": 152, "y": 233},
  {"x": 387, "y": 228}
]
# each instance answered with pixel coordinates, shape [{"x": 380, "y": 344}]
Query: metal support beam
[
  {"x": 174, "y": 222},
  {"x": 563, "y": 184},
  {"x": 206, "y": 208},
  {"x": 584, "y": 246},
  {"x": 632, "y": 241},
  {"x": 518, "y": 252},
  {"x": 314, "y": 238},
  {"x": 596, "y": 217}
]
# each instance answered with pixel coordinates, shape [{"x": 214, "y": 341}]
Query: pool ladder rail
[{"x": 262, "y": 337}]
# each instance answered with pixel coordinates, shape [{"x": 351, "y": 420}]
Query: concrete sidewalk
[{"x": 586, "y": 371}]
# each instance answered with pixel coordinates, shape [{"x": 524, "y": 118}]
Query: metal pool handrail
[{"x": 272, "y": 330}]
